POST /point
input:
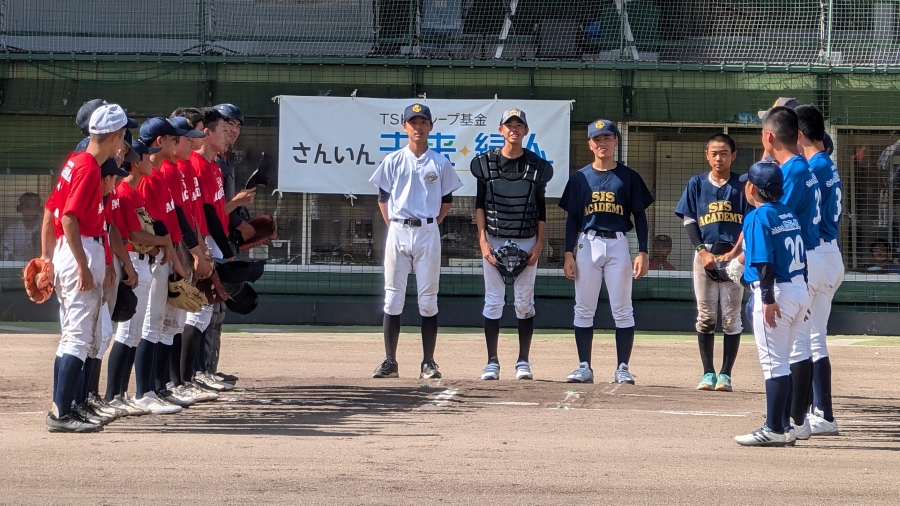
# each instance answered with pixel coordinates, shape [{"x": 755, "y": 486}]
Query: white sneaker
[
  {"x": 622, "y": 375},
  {"x": 583, "y": 374},
  {"x": 802, "y": 431},
  {"x": 523, "y": 371},
  {"x": 173, "y": 395},
  {"x": 127, "y": 403},
  {"x": 156, "y": 405},
  {"x": 819, "y": 426},
  {"x": 762, "y": 436},
  {"x": 210, "y": 381},
  {"x": 200, "y": 394},
  {"x": 491, "y": 371},
  {"x": 790, "y": 436}
]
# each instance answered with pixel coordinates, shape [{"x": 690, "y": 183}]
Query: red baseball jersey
[
  {"x": 159, "y": 203},
  {"x": 78, "y": 193},
  {"x": 212, "y": 189},
  {"x": 126, "y": 213},
  {"x": 192, "y": 205}
]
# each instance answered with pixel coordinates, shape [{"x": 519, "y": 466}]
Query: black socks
[
  {"x": 624, "y": 344},
  {"x": 707, "y": 343},
  {"x": 526, "y": 332},
  {"x": 801, "y": 374},
  {"x": 729, "y": 352},
  {"x": 821, "y": 384},
  {"x": 429, "y": 337},
  {"x": 584, "y": 340},
  {"x": 491, "y": 337},
  {"x": 191, "y": 339},
  {"x": 391, "y": 328},
  {"x": 174, "y": 374}
]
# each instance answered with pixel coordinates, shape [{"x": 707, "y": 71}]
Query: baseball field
[{"x": 306, "y": 424}]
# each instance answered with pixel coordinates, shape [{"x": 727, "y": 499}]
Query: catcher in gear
[
  {"x": 511, "y": 214},
  {"x": 712, "y": 209}
]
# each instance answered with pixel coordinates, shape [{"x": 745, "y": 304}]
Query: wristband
[{"x": 701, "y": 247}]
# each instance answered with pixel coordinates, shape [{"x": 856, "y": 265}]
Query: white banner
[{"x": 334, "y": 144}]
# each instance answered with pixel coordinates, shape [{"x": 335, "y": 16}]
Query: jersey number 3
[
  {"x": 818, "y": 217},
  {"x": 840, "y": 204},
  {"x": 796, "y": 249}
]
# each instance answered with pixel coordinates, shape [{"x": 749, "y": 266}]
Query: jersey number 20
[{"x": 796, "y": 249}]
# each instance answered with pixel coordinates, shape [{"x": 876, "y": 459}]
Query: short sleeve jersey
[
  {"x": 416, "y": 184},
  {"x": 191, "y": 204},
  {"x": 54, "y": 210},
  {"x": 773, "y": 235},
  {"x": 79, "y": 194},
  {"x": 832, "y": 206},
  {"x": 129, "y": 201},
  {"x": 803, "y": 197},
  {"x": 174, "y": 181},
  {"x": 212, "y": 191},
  {"x": 605, "y": 201},
  {"x": 718, "y": 210},
  {"x": 159, "y": 203},
  {"x": 192, "y": 173}
]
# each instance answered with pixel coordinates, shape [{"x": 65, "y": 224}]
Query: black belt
[
  {"x": 98, "y": 239},
  {"x": 603, "y": 234},
  {"x": 415, "y": 222},
  {"x": 149, "y": 258},
  {"x": 720, "y": 248}
]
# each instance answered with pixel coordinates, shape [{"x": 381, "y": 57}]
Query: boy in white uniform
[{"x": 416, "y": 186}]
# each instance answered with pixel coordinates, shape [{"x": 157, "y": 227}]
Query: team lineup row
[
  {"x": 772, "y": 231},
  {"x": 144, "y": 231}
]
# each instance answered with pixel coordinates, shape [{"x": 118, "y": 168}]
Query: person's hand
[
  {"x": 535, "y": 253},
  {"x": 487, "y": 252},
  {"x": 49, "y": 268},
  {"x": 202, "y": 267},
  {"x": 244, "y": 197},
  {"x": 569, "y": 266},
  {"x": 110, "y": 277},
  {"x": 85, "y": 279},
  {"x": 708, "y": 260},
  {"x": 641, "y": 265},
  {"x": 770, "y": 313},
  {"x": 131, "y": 277}
]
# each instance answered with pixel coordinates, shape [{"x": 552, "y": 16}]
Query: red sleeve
[
  {"x": 85, "y": 193},
  {"x": 126, "y": 216},
  {"x": 173, "y": 181},
  {"x": 155, "y": 206}
]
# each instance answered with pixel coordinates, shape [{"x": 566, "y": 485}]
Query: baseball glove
[
  {"x": 726, "y": 272},
  {"x": 265, "y": 230},
  {"x": 735, "y": 271},
  {"x": 38, "y": 277},
  {"x": 185, "y": 296},
  {"x": 212, "y": 263},
  {"x": 212, "y": 289},
  {"x": 146, "y": 226}
]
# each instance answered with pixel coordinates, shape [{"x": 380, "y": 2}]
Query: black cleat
[
  {"x": 387, "y": 369},
  {"x": 71, "y": 423},
  {"x": 227, "y": 378},
  {"x": 430, "y": 371}
]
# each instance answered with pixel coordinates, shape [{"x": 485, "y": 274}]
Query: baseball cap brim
[
  {"x": 605, "y": 131},
  {"x": 416, "y": 115},
  {"x": 744, "y": 177},
  {"x": 504, "y": 120},
  {"x": 195, "y": 134}
]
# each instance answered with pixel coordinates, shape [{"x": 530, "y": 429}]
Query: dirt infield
[{"x": 307, "y": 425}]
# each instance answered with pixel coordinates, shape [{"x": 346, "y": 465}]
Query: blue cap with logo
[
  {"x": 182, "y": 123},
  {"x": 158, "y": 127},
  {"x": 142, "y": 149},
  {"x": 602, "y": 127},
  {"x": 766, "y": 176},
  {"x": 416, "y": 111}
]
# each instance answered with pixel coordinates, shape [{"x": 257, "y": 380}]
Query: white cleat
[
  {"x": 156, "y": 405},
  {"x": 583, "y": 374},
  {"x": 523, "y": 371},
  {"x": 491, "y": 371}
]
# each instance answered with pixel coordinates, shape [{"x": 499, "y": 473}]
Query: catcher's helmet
[
  {"x": 230, "y": 111},
  {"x": 244, "y": 302},
  {"x": 511, "y": 261},
  {"x": 126, "y": 304}
]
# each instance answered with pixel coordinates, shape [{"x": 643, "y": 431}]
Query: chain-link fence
[{"x": 206, "y": 52}]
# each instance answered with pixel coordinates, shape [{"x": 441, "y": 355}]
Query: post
[
  {"x": 828, "y": 35},
  {"x": 307, "y": 232}
]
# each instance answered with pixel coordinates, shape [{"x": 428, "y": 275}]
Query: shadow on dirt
[{"x": 315, "y": 410}]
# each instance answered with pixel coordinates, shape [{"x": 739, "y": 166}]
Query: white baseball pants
[
  {"x": 129, "y": 332},
  {"x": 832, "y": 275},
  {"x": 598, "y": 259},
  {"x": 79, "y": 311},
  {"x": 775, "y": 344},
  {"x": 495, "y": 288},
  {"x": 157, "y": 301},
  {"x": 412, "y": 248}
]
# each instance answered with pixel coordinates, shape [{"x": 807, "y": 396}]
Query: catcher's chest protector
[{"x": 510, "y": 202}]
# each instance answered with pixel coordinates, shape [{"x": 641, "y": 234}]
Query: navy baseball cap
[
  {"x": 111, "y": 168},
  {"x": 417, "y": 111},
  {"x": 602, "y": 127},
  {"x": 766, "y": 176},
  {"x": 83, "y": 117},
  {"x": 829, "y": 144},
  {"x": 158, "y": 127},
  {"x": 140, "y": 149},
  {"x": 182, "y": 123},
  {"x": 230, "y": 111},
  {"x": 513, "y": 113},
  {"x": 781, "y": 102}
]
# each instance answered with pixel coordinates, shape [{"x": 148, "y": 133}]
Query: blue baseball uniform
[{"x": 803, "y": 197}]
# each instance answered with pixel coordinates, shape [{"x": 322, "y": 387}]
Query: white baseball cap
[{"x": 108, "y": 118}]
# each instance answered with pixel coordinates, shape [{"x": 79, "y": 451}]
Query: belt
[
  {"x": 415, "y": 222},
  {"x": 149, "y": 258},
  {"x": 98, "y": 239},
  {"x": 601, "y": 233},
  {"x": 720, "y": 248}
]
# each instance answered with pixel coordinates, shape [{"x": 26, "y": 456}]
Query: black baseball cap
[
  {"x": 766, "y": 176},
  {"x": 829, "y": 144},
  {"x": 83, "y": 117},
  {"x": 244, "y": 302},
  {"x": 230, "y": 111},
  {"x": 111, "y": 168},
  {"x": 417, "y": 111},
  {"x": 513, "y": 113}
]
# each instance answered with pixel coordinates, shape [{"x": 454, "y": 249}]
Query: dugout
[{"x": 671, "y": 74}]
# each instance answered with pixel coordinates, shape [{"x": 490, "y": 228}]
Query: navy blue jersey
[
  {"x": 772, "y": 235},
  {"x": 605, "y": 200},
  {"x": 718, "y": 210},
  {"x": 832, "y": 206},
  {"x": 803, "y": 197}
]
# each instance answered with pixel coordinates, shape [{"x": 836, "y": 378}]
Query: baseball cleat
[
  {"x": 88, "y": 415},
  {"x": 491, "y": 371},
  {"x": 723, "y": 383},
  {"x": 387, "y": 369},
  {"x": 430, "y": 371},
  {"x": 790, "y": 436},
  {"x": 211, "y": 381},
  {"x": 101, "y": 407},
  {"x": 155, "y": 405},
  {"x": 523, "y": 370},
  {"x": 70, "y": 423},
  {"x": 819, "y": 426},
  {"x": 802, "y": 431},
  {"x": 623, "y": 375},
  {"x": 121, "y": 402},
  {"x": 763, "y": 436},
  {"x": 583, "y": 374},
  {"x": 227, "y": 378},
  {"x": 708, "y": 382},
  {"x": 172, "y": 398},
  {"x": 201, "y": 394}
]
